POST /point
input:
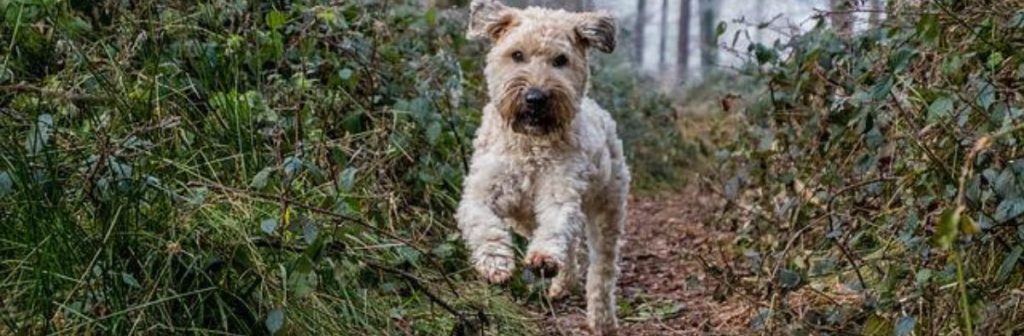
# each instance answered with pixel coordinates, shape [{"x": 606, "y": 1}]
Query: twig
[
  {"x": 856, "y": 268},
  {"x": 414, "y": 281},
  {"x": 965, "y": 308},
  {"x": 338, "y": 217},
  {"x": 739, "y": 206},
  {"x": 417, "y": 284},
  {"x": 966, "y": 26},
  {"x": 842, "y": 244},
  {"x": 554, "y": 315},
  {"x": 931, "y": 155},
  {"x": 450, "y": 122},
  {"x": 67, "y": 95}
]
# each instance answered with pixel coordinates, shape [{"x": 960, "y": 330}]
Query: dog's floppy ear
[
  {"x": 597, "y": 29},
  {"x": 489, "y": 19}
]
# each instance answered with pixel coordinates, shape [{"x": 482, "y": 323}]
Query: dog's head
[{"x": 537, "y": 69}]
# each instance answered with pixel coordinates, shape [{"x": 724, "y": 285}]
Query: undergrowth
[
  {"x": 876, "y": 185},
  {"x": 249, "y": 168}
]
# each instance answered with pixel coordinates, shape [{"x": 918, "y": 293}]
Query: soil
[{"x": 670, "y": 284}]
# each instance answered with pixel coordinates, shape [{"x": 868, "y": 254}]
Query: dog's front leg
[
  {"x": 560, "y": 220},
  {"x": 488, "y": 237},
  {"x": 485, "y": 233}
]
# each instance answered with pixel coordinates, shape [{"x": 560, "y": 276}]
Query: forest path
[{"x": 665, "y": 287}]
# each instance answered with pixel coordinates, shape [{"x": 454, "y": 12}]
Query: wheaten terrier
[{"x": 547, "y": 161}]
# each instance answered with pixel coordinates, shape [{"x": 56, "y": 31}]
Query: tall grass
[
  {"x": 229, "y": 167},
  {"x": 245, "y": 168},
  {"x": 876, "y": 185}
]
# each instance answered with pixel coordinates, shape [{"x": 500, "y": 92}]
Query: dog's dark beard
[
  {"x": 552, "y": 118},
  {"x": 531, "y": 122}
]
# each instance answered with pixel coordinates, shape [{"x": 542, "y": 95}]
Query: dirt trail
[{"x": 665, "y": 287}]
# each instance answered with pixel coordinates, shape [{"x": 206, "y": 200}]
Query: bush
[
  {"x": 248, "y": 168},
  {"x": 658, "y": 152},
  {"x": 878, "y": 180},
  {"x": 234, "y": 167}
]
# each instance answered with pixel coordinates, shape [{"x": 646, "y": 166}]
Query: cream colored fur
[{"x": 555, "y": 188}]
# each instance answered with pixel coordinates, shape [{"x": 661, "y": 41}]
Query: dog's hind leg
[
  {"x": 564, "y": 282},
  {"x": 603, "y": 271}
]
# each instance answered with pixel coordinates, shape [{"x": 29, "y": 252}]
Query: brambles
[
  {"x": 235, "y": 167},
  {"x": 659, "y": 154},
  {"x": 878, "y": 182},
  {"x": 244, "y": 168}
]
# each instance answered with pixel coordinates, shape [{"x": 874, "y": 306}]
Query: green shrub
[
  {"x": 246, "y": 168},
  {"x": 659, "y": 154},
  {"x": 236, "y": 167},
  {"x": 882, "y": 172}
]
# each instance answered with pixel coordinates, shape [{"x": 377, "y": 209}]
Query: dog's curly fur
[{"x": 550, "y": 168}]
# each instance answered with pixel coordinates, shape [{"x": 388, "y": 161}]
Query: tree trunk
[
  {"x": 638, "y": 31},
  {"x": 683, "y": 41},
  {"x": 708, "y": 37},
  {"x": 842, "y": 18},
  {"x": 569, "y": 5},
  {"x": 443, "y": 4},
  {"x": 663, "y": 34},
  {"x": 762, "y": 18},
  {"x": 875, "y": 18}
]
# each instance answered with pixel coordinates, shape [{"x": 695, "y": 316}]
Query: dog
[{"x": 547, "y": 160}]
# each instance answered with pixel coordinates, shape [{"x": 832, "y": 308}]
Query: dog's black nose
[{"x": 536, "y": 97}]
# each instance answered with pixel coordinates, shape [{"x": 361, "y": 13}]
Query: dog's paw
[
  {"x": 601, "y": 316},
  {"x": 602, "y": 329},
  {"x": 543, "y": 264},
  {"x": 496, "y": 267}
]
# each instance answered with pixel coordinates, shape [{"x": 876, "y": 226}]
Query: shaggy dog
[{"x": 547, "y": 161}]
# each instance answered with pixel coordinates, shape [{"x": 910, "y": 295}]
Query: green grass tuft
[{"x": 250, "y": 168}]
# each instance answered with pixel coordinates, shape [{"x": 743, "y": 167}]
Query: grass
[
  {"x": 883, "y": 165},
  {"x": 166, "y": 174},
  {"x": 250, "y": 168}
]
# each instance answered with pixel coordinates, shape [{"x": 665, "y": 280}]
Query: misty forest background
[{"x": 233, "y": 167}]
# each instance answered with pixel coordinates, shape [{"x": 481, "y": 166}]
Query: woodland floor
[{"x": 665, "y": 284}]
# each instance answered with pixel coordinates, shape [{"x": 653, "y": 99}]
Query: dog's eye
[
  {"x": 517, "y": 56},
  {"x": 560, "y": 61}
]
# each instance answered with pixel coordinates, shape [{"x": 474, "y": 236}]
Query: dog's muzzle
[{"x": 535, "y": 116}]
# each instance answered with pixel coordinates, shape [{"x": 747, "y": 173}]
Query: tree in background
[
  {"x": 638, "y": 31},
  {"x": 683, "y": 41},
  {"x": 663, "y": 34},
  {"x": 875, "y": 18},
  {"x": 708, "y": 46},
  {"x": 444, "y": 4},
  {"x": 842, "y": 16},
  {"x": 570, "y": 5}
]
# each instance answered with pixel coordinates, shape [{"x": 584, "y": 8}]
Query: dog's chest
[{"x": 512, "y": 192}]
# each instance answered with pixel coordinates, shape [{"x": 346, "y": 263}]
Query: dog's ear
[
  {"x": 597, "y": 30},
  {"x": 489, "y": 19}
]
